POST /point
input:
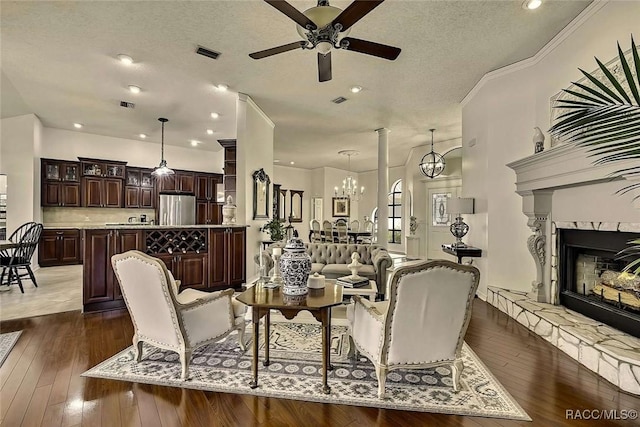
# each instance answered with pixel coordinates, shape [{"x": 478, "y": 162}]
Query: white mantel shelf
[{"x": 564, "y": 165}]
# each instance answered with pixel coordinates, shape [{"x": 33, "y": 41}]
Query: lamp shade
[{"x": 460, "y": 205}]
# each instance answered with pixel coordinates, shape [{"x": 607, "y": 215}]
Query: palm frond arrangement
[
  {"x": 631, "y": 252},
  {"x": 603, "y": 115}
]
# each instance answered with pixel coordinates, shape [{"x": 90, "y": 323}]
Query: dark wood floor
[{"x": 41, "y": 384}]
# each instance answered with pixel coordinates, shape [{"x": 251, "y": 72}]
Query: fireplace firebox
[{"x": 590, "y": 278}]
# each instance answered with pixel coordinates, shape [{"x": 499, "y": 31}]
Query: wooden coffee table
[{"x": 318, "y": 302}]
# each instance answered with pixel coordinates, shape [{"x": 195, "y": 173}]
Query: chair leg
[
  {"x": 4, "y": 271},
  {"x": 185, "y": 358},
  {"x": 456, "y": 371},
  {"x": 31, "y": 275},
  {"x": 241, "y": 336},
  {"x": 137, "y": 348},
  {"x": 381, "y": 373},
  {"x": 15, "y": 271}
]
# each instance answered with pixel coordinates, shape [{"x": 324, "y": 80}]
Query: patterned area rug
[
  {"x": 7, "y": 341},
  {"x": 295, "y": 373}
]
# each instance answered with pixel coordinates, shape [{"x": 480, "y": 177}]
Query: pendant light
[
  {"x": 162, "y": 169},
  {"x": 432, "y": 164}
]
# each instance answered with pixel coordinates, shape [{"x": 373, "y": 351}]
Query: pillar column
[{"x": 383, "y": 186}]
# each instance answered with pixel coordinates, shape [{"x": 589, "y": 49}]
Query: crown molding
[
  {"x": 567, "y": 31},
  {"x": 246, "y": 98}
]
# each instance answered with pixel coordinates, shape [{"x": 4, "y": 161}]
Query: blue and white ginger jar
[{"x": 295, "y": 266}]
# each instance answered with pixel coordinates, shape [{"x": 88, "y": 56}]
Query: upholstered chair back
[
  {"x": 354, "y": 225},
  {"x": 429, "y": 311},
  {"x": 341, "y": 228},
  {"x": 147, "y": 289}
]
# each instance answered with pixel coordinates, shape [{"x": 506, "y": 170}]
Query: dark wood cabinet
[
  {"x": 139, "y": 189},
  {"x": 102, "y": 192},
  {"x": 180, "y": 182},
  {"x": 208, "y": 212},
  {"x": 227, "y": 256},
  {"x": 206, "y": 186},
  {"x": 101, "y": 290},
  {"x": 59, "y": 247},
  {"x": 190, "y": 269},
  {"x": 60, "y": 183}
]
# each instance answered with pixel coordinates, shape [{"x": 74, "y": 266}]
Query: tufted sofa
[{"x": 331, "y": 260}]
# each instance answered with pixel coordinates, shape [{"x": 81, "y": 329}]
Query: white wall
[
  {"x": 499, "y": 116},
  {"x": 254, "y": 151},
  {"x": 20, "y": 146},
  {"x": 297, "y": 179},
  {"x": 68, "y": 145}
]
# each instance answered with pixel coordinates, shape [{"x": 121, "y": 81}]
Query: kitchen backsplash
[{"x": 94, "y": 216}]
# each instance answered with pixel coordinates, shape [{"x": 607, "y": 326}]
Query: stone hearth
[{"x": 612, "y": 354}]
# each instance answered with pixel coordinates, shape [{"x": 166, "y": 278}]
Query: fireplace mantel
[
  {"x": 537, "y": 177},
  {"x": 564, "y": 165}
]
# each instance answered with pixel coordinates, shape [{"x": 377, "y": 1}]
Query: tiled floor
[{"x": 59, "y": 289}]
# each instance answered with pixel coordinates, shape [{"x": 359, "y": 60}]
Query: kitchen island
[{"x": 203, "y": 257}]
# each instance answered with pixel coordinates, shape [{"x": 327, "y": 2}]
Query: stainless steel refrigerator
[{"x": 177, "y": 209}]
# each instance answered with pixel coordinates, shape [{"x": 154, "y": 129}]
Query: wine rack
[{"x": 186, "y": 241}]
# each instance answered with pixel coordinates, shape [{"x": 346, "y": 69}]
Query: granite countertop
[{"x": 135, "y": 226}]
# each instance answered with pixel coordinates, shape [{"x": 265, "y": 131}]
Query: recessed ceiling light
[
  {"x": 531, "y": 4},
  {"x": 77, "y": 125},
  {"x": 143, "y": 136},
  {"x": 194, "y": 142},
  {"x": 222, "y": 87},
  {"x": 125, "y": 59},
  {"x": 215, "y": 115},
  {"x": 134, "y": 89},
  {"x": 276, "y": 161},
  {"x": 209, "y": 131},
  {"x": 293, "y": 163},
  {"x": 355, "y": 89}
]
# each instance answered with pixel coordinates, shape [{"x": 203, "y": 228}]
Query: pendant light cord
[{"x": 162, "y": 144}]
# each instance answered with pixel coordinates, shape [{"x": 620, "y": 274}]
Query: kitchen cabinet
[
  {"x": 101, "y": 290},
  {"x": 139, "y": 189},
  {"x": 60, "y": 183},
  {"x": 180, "y": 182},
  {"x": 227, "y": 256},
  {"x": 208, "y": 212},
  {"x": 59, "y": 247},
  {"x": 190, "y": 269},
  {"x": 102, "y": 192},
  {"x": 206, "y": 186}
]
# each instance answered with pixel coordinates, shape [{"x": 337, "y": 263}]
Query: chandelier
[
  {"x": 162, "y": 169},
  {"x": 349, "y": 188},
  {"x": 432, "y": 164}
]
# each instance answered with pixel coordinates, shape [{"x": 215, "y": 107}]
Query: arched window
[{"x": 395, "y": 213}]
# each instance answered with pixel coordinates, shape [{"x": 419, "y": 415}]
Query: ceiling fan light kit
[{"x": 324, "y": 28}]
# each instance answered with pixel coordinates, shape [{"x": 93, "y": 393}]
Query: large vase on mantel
[{"x": 295, "y": 266}]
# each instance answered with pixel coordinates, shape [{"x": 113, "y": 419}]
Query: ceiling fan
[{"x": 325, "y": 27}]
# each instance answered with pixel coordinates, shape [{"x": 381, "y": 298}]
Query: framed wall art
[{"x": 340, "y": 207}]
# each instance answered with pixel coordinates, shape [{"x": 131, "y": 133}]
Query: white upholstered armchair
[
  {"x": 163, "y": 318},
  {"x": 422, "y": 324}
]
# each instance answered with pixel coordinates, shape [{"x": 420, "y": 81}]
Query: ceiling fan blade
[
  {"x": 371, "y": 48},
  {"x": 324, "y": 67},
  {"x": 293, "y": 13},
  {"x": 277, "y": 50},
  {"x": 355, "y": 12}
]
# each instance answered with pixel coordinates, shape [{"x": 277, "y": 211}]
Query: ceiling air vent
[
  {"x": 339, "y": 100},
  {"x": 207, "y": 52},
  {"x": 126, "y": 104}
]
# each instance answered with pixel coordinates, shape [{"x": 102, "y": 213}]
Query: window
[{"x": 395, "y": 212}]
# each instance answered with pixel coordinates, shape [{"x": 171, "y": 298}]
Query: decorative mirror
[
  {"x": 295, "y": 215},
  {"x": 282, "y": 212},
  {"x": 261, "y": 186}
]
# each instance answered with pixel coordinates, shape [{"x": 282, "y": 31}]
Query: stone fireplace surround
[{"x": 610, "y": 353}]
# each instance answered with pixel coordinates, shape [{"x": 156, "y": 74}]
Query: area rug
[
  {"x": 295, "y": 373},
  {"x": 7, "y": 341}
]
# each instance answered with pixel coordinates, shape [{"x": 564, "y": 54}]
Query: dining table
[
  {"x": 7, "y": 244},
  {"x": 353, "y": 235}
]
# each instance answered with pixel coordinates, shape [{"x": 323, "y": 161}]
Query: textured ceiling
[{"x": 60, "y": 58}]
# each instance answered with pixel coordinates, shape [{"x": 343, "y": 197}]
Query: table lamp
[{"x": 459, "y": 206}]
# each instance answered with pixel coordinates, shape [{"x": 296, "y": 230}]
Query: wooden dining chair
[
  {"x": 354, "y": 225},
  {"x": 327, "y": 227},
  {"x": 342, "y": 231},
  {"x": 316, "y": 236},
  {"x": 27, "y": 237}
]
